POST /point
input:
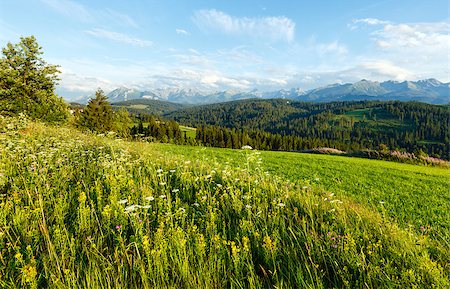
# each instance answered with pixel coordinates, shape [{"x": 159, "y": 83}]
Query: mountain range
[{"x": 428, "y": 90}]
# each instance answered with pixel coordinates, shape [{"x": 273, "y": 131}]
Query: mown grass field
[
  {"x": 81, "y": 211},
  {"x": 190, "y": 131}
]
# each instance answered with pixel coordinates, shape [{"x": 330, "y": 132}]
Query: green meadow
[
  {"x": 80, "y": 210},
  {"x": 412, "y": 195}
]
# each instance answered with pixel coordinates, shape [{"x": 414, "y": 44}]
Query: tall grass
[{"x": 80, "y": 211}]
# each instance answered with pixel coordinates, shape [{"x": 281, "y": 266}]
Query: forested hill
[
  {"x": 148, "y": 106},
  {"x": 409, "y": 126}
]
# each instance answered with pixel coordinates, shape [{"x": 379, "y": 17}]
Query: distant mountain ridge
[{"x": 428, "y": 90}]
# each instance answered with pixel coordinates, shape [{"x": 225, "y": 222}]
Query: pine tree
[
  {"x": 98, "y": 114},
  {"x": 27, "y": 83}
]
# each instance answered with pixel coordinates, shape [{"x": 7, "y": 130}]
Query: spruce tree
[{"x": 98, "y": 114}]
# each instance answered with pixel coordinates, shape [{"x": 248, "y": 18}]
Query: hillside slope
[{"x": 88, "y": 211}]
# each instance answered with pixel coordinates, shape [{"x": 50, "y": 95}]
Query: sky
[{"x": 232, "y": 44}]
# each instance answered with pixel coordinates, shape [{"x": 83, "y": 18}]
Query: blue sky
[{"x": 231, "y": 44}]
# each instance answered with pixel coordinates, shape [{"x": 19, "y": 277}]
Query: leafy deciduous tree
[{"x": 27, "y": 82}]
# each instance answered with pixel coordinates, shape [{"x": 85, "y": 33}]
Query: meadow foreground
[{"x": 86, "y": 211}]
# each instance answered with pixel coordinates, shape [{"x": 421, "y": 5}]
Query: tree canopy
[
  {"x": 98, "y": 114},
  {"x": 27, "y": 82}
]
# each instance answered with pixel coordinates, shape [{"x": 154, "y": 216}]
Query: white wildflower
[
  {"x": 246, "y": 147},
  {"x": 121, "y": 202},
  {"x": 131, "y": 208},
  {"x": 150, "y": 198}
]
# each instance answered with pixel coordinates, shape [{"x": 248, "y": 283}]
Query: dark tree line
[
  {"x": 158, "y": 130},
  {"x": 407, "y": 126},
  {"x": 233, "y": 138}
]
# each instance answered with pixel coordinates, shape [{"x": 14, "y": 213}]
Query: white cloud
[
  {"x": 181, "y": 31},
  {"x": 370, "y": 21},
  {"x": 70, "y": 8},
  {"x": 356, "y": 23},
  {"x": 420, "y": 47},
  {"x": 119, "y": 37},
  {"x": 120, "y": 18},
  {"x": 278, "y": 28},
  {"x": 81, "y": 13},
  {"x": 434, "y": 36},
  {"x": 332, "y": 48},
  {"x": 382, "y": 69}
]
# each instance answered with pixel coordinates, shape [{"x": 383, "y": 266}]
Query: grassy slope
[
  {"x": 412, "y": 194},
  {"x": 216, "y": 220}
]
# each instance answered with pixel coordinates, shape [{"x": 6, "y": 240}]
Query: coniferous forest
[{"x": 285, "y": 125}]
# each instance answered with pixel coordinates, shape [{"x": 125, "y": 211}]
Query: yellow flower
[
  {"x": 29, "y": 273},
  {"x": 19, "y": 257},
  {"x": 234, "y": 249},
  {"x": 82, "y": 198},
  {"x": 268, "y": 243},
  {"x": 145, "y": 241},
  {"x": 245, "y": 243}
]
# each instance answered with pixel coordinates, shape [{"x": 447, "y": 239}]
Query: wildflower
[
  {"x": 268, "y": 243},
  {"x": 131, "y": 208},
  {"x": 175, "y": 190},
  {"x": 281, "y": 204},
  {"x": 196, "y": 204},
  {"x": 29, "y": 273},
  {"x": 248, "y": 206},
  {"x": 118, "y": 227},
  {"x": 246, "y": 147},
  {"x": 19, "y": 257},
  {"x": 159, "y": 171},
  {"x": 162, "y": 183},
  {"x": 245, "y": 243},
  {"x": 145, "y": 241},
  {"x": 121, "y": 202},
  {"x": 234, "y": 249},
  {"x": 423, "y": 228},
  {"x": 162, "y": 196},
  {"x": 150, "y": 198},
  {"x": 82, "y": 197},
  {"x": 172, "y": 171}
]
